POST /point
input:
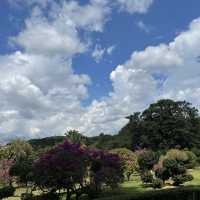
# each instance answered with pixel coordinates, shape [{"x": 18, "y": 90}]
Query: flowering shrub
[
  {"x": 61, "y": 168},
  {"x": 105, "y": 169},
  {"x": 5, "y": 166},
  {"x": 76, "y": 169},
  {"x": 129, "y": 161}
]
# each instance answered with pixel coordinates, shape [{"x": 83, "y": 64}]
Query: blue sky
[{"x": 87, "y": 64}]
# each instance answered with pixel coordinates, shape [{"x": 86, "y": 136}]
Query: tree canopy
[{"x": 165, "y": 124}]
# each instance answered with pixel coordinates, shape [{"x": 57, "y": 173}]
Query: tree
[
  {"x": 63, "y": 167},
  {"x": 5, "y": 177},
  {"x": 174, "y": 165},
  {"x": 129, "y": 161},
  {"x": 147, "y": 159},
  {"x": 165, "y": 124},
  {"x": 77, "y": 170},
  {"x": 75, "y": 137},
  {"x": 22, "y": 169},
  {"x": 18, "y": 149},
  {"x": 105, "y": 170}
]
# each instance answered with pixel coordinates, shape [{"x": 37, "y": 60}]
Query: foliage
[
  {"x": 5, "y": 166},
  {"x": 182, "y": 178},
  {"x": 63, "y": 167},
  {"x": 173, "y": 166},
  {"x": 164, "y": 125},
  {"x": 46, "y": 196},
  {"x": 147, "y": 159},
  {"x": 26, "y": 196},
  {"x": 146, "y": 177},
  {"x": 47, "y": 142},
  {"x": 129, "y": 161},
  {"x": 76, "y": 169},
  {"x": 18, "y": 149},
  {"x": 157, "y": 183},
  {"x": 7, "y": 191},
  {"x": 75, "y": 137},
  {"x": 22, "y": 168},
  {"x": 105, "y": 169}
]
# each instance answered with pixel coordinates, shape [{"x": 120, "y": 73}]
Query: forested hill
[{"x": 163, "y": 125}]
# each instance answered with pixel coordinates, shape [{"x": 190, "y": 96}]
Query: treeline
[{"x": 163, "y": 125}]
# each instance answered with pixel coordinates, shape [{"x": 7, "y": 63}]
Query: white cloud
[
  {"x": 100, "y": 52},
  {"x": 22, "y": 3},
  {"x": 135, "y": 6},
  {"x": 60, "y": 35},
  {"x": 39, "y": 91},
  {"x": 135, "y": 84},
  {"x": 143, "y": 26},
  {"x": 110, "y": 49},
  {"x": 41, "y": 95}
]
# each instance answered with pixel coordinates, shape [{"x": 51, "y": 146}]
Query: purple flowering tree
[
  {"x": 63, "y": 167},
  {"x": 105, "y": 170},
  {"x": 77, "y": 170}
]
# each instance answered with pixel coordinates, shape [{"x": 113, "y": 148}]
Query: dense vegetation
[{"x": 160, "y": 145}]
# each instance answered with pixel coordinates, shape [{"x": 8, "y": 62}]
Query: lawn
[{"x": 130, "y": 189}]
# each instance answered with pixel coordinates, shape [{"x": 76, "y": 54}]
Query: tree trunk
[{"x": 68, "y": 195}]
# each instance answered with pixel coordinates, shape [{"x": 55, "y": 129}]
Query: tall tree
[{"x": 164, "y": 125}]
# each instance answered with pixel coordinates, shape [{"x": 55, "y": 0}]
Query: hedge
[
  {"x": 167, "y": 194},
  {"x": 6, "y": 192}
]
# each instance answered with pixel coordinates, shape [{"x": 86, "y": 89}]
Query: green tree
[
  {"x": 164, "y": 125},
  {"x": 75, "y": 137},
  {"x": 18, "y": 149}
]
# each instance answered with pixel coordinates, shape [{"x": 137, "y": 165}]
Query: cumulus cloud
[
  {"x": 41, "y": 95},
  {"x": 138, "y": 82}
]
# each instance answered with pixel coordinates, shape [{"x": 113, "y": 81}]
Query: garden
[{"x": 76, "y": 169}]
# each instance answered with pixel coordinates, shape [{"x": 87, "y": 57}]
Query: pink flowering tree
[{"x": 5, "y": 178}]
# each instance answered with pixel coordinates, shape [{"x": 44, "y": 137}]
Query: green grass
[{"x": 129, "y": 189}]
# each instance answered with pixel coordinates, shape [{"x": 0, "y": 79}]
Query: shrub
[
  {"x": 157, "y": 183},
  {"x": 7, "y": 192},
  {"x": 147, "y": 160},
  {"x": 184, "y": 157},
  {"x": 162, "y": 173},
  {"x": 75, "y": 169},
  {"x": 147, "y": 177},
  {"x": 63, "y": 167},
  {"x": 180, "y": 179},
  {"x": 105, "y": 169},
  {"x": 26, "y": 196},
  {"x": 47, "y": 196},
  {"x": 191, "y": 161},
  {"x": 5, "y": 166},
  {"x": 129, "y": 161},
  {"x": 174, "y": 167}
]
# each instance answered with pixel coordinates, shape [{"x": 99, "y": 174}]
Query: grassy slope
[{"x": 128, "y": 189}]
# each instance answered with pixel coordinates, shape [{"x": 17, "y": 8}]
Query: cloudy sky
[{"x": 86, "y": 64}]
